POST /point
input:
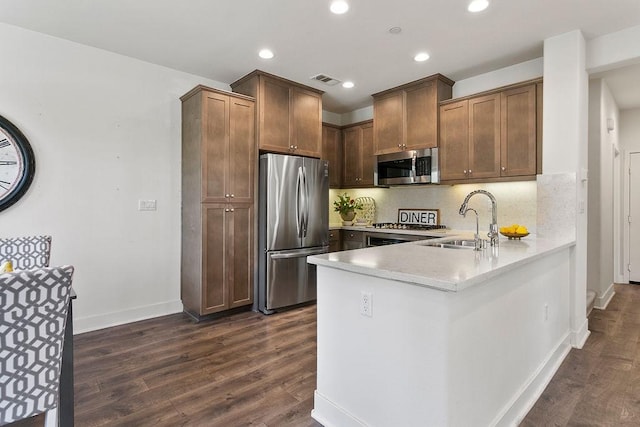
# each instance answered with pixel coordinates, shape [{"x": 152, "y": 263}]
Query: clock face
[{"x": 17, "y": 164}]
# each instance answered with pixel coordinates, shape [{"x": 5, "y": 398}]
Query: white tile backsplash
[
  {"x": 516, "y": 203},
  {"x": 557, "y": 205}
]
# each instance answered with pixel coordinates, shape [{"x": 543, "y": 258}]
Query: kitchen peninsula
[{"x": 411, "y": 334}]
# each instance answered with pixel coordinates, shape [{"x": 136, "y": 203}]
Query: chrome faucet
[
  {"x": 493, "y": 227},
  {"x": 478, "y": 243}
]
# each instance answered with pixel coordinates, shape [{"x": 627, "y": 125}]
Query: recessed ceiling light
[
  {"x": 339, "y": 7},
  {"x": 348, "y": 85},
  {"x": 478, "y": 5},
  {"x": 421, "y": 57},
  {"x": 266, "y": 54}
]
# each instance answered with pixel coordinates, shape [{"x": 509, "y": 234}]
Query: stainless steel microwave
[{"x": 407, "y": 167}]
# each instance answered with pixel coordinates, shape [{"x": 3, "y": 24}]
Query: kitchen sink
[{"x": 452, "y": 244}]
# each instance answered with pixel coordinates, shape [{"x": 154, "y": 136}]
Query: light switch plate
[{"x": 147, "y": 205}]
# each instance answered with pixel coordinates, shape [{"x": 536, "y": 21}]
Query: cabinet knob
[
  {"x": 295, "y": 147},
  {"x": 226, "y": 210},
  {"x": 232, "y": 196},
  {"x": 470, "y": 172},
  {"x": 231, "y": 210},
  {"x": 503, "y": 168},
  {"x": 464, "y": 171},
  {"x": 226, "y": 195}
]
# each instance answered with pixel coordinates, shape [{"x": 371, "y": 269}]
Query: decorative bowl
[{"x": 513, "y": 236}]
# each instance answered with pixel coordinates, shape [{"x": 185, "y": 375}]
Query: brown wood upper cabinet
[
  {"x": 332, "y": 152},
  {"x": 406, "y": 117},
  {"x": 491, "y": 136},
  {"x": 218, "y": 163},
  {"x": 358, "y": 157},
  {"x": 289, "y": 115}
]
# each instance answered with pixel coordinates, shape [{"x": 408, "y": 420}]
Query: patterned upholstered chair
[
  {"x": 33, "y": 312},
  {"x": 26, "y": 252}
]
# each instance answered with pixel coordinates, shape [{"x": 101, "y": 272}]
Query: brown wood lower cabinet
[
  {"x": 335, "y": 243},
  {"x": 352, "y": 240},
  {"x": 227, "y": 255}
]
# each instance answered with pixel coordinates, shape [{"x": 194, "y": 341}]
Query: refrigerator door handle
[
  {"x": 297, "y": 253},
  {"x": 306, "y": 203},
  {"x": 299, "y": 202}
]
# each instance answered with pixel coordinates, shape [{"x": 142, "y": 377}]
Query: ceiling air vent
[{"x": 329, "y": 81}]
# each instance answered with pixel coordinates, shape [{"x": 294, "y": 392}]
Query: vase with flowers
[{"x": 346, "y": 206}]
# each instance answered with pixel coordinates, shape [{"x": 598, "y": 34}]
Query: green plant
[{"x": 345, "y": 204}]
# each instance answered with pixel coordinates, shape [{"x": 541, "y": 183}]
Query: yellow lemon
[{"x": 521, "y": 230}]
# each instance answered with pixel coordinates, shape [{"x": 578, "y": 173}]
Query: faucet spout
[{"x": 493, "y": 227}]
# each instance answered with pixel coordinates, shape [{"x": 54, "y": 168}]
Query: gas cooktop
[{"x": 398, "y": 226}]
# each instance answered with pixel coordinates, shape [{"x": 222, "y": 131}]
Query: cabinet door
[
  {"x": 214, "y": 283},
  {"x": 454, "y": 141},
  {"x": 352, "y": 155},
  {"x": 367, "y": 157},
  {"x": 387, "y": 123},
  {"x": 484, "y": 137},
  {"x": 352, "y": 240},
  {"x": 334, "y": 241},
  {"x": 241, "y": 159},
  {"x": 421, "y": 112},
  {"x": 239, "y": 255},
  {"x": 518, "y": 142},
  {"x": 274, "y": 116},
  {"x": 306, "y": 122},
  {"x": 332, "y": 152},
  {"x": 214, "y": 146}
]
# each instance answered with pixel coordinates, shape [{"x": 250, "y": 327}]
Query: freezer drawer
[{"x": 289, "y": 279}]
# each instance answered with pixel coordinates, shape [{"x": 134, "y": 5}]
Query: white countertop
[{"x": 440, "y": 268}]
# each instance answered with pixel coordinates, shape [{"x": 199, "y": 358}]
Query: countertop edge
[{"x": 353, "y": 265}]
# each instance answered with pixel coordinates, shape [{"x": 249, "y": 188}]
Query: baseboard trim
[
  {"x": 603, "y": 301},
  {"x": 524, "y": 399},
  {"x": 101, "y": 321},
  {"x": 579, "y": 337},
  {"x": 325, "y": 410}
]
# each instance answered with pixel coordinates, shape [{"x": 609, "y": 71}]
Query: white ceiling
[{"x": 220, "y": 39}]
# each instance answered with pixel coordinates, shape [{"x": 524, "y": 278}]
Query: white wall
[
  {"x": 602, "y": 144},
  {"x": 105, "y": 130},
  {"x": 505, "y": 76},
  {"x": 565, "y": 119},
  {"x": 630, "y": 130}
]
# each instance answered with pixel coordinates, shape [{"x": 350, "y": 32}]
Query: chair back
[
  {"x": 26, "y": 252},
  {"x": 33, "y": 312}
]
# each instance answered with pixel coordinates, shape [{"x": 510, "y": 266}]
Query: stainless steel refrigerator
[{"x": 293, "y": 224}]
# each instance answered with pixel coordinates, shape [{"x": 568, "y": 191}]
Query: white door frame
[{"x": 627, "y": 208}]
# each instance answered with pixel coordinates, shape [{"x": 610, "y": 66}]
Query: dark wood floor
[
  {"x": 600, "y": 384},
  {"x": 255, "y": 370}
]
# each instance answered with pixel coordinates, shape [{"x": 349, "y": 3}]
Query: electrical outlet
[{"x": 366, "y": 304}]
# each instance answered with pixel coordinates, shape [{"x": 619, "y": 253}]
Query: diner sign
[{"x": 419, "y": 216}]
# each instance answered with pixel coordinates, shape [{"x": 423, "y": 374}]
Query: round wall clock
[{"x": 17, "y": 164}]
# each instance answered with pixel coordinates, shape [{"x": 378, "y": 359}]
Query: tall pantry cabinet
[{"x": 218, "y": 209}]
